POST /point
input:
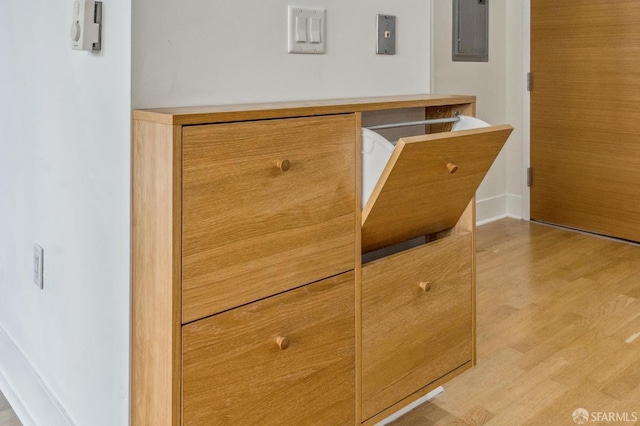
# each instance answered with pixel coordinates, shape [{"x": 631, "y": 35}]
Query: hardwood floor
[
  {"x": 558, "y": 329},
  {"x": 7, "y": 416}
]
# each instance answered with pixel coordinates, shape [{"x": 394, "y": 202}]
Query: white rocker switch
[
  {"x": 301, "y": 29},
  {"x": 315, "y": 24}
]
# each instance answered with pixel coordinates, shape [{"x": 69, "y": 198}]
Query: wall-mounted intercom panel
[
  {"x": 386, "y": 30},
  {"x": 86, "y": 26}
]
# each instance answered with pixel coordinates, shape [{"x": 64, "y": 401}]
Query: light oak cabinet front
[
  {"x": 416, "y": 320},
  {"x": 267, "y": 206},
  {"x": 290, "y": 355},
  {"x": 418, "y": 328},
  {"x": 250, "y": 301},
  {"x": 244, "y": 247}
]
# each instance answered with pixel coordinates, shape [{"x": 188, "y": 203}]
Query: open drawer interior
[{"x": 427, "y": 184}]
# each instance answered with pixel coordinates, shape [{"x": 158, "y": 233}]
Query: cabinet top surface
[{"x": 261, "y": 111}]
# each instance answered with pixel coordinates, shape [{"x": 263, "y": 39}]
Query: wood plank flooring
[
  {"x": 558, "y": 329},
  {"x": 7, "y": 416}
]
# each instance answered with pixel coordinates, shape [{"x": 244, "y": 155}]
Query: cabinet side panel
[
  {"x": 467, "y": 223},
  {"x": 358, "y": 266},
  {"x": 155, "y": 280}
]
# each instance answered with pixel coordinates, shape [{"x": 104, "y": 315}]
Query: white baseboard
[
  {"x": 395, "y": 416},
  {"x": 498, "y": 207},
  {"x": 32, "y": 401},
  {"x": 514, "y": 206}
]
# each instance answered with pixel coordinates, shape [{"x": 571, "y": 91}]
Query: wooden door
[{"x": 585, "y": 115}]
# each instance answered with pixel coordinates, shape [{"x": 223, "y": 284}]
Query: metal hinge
[
  {"x": 529, "y": 176},
  {"x": 529, "y": 81}
]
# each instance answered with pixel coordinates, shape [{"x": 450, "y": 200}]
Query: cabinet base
[{"x": 416, "y": 395}]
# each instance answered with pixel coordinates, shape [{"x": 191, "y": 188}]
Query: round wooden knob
[
  {"x": 282, "y": 342},
  {"x": 284, "y": 165},
  {"x": 452, "y": 168},
  {"x": 425, "y": 286}
]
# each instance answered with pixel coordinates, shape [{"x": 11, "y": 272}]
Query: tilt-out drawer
[
  {"x": 267, "y": 206},
  {"x": 291, "y": 356},
  {"x": 416, "y": 319},
  {"x": 427, "y": 184}
]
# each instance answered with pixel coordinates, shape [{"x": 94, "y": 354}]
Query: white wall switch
[
  {"x": 307, "y": 30},
  {"x": 86, "y": 27},
  {"x": 38, "y": 266}
]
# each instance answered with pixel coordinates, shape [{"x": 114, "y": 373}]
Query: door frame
[{"x": 526, "y": 109}]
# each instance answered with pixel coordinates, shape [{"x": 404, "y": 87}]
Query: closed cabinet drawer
[
  {"x": 267, "y": 206},
  {"x": 285, "y": 360},
  {"x": 416, "y": 320}
]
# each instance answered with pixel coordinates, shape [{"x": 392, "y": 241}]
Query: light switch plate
[
  {"x": 305, "y": 20},
  {"x": 386, "y": 30}
]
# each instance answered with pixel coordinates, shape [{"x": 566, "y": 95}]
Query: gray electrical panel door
[{"x": 471, "y": 30}]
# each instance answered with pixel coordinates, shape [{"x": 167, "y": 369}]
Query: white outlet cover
[
  {"x": 307, "y": 46},
  {"x": 38, "y": 266}
]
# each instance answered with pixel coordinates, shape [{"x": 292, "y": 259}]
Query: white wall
[
  {"x": 499, "y": 87},
  {"x": 235, "y": 51},
  {"x": 64, "y": 183},
  {"x": 517, "y": 148}
]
